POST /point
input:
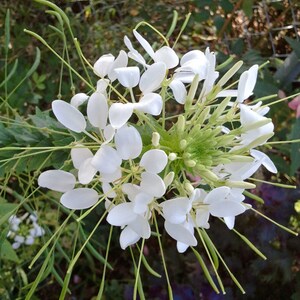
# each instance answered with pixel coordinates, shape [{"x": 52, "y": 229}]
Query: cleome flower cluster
[
  {"x": 24, "y": 230},
  {"x": 162, "y": 135}
]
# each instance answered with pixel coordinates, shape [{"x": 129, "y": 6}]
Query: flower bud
[
  {"x": 190, "y": 163},
  {"x": 240, "y": 184},
  {"x": 172, "y": 156},
  {"x": 188, "y": 187},
  {"x": 181, "y": 124},
  {"x": 169, "y": 178},
  {"x": 183, "y": 144},
  {"x": 155, "y": 139}
]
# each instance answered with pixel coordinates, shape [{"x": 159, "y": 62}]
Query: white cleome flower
[
  {"x": 61, "y": 181},
  {"x": 30, "y": 225},
  {"x": 165, "y": 54},
  {"x": 133, "y": 216}
]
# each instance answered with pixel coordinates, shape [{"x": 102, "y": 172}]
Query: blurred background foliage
[{"x": 251, "y": 30}]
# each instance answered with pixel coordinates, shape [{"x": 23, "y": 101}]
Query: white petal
[
  {"x": 225, "y": 208},
  {"x": 192, "y": 55},
  {"x": 175, "y": 210},
  {"x": 108, "y": 205},
  {"x": 109, "y": 133},
  {"x": 131, "y": 190},
  {"x": 97, "y": 110},
  {"x": 240, "y": 170},
  {"x": 108, "y": 190},
  {"x": 29, "y": 240},
  {"x": 120, "y": 62},
  {"x": 128, "y": 237},
  {"x": 141, "y": 201},
  {"x": 179, "y": 91},
  {"x": 217, "y": 195},
  {"x": 106, "y": 160},
  {"x": 86, "y": 172},
  {"x": 16, "y": 245},
  {"x": 144, "y": 43},
  {"x": 79, "y": 155},
  {"x": 181, "y": 247},
  {"x": 186, "y": 77},
  {"x": 102, "y": 85},
  {"x": 128, "y": 76},
  {"x": 113, "y": 177},
  {"x": 69, "y": 116},
  {"x": 150, "y": 103},
  {"x": 78, "y": 99},
  {"x": 121, "y": 215},
  {"x": 153, "y": 77},
  {"x": 229, "y": 221},
  {"x": 103, "y": 65},
  {"x": 128, "y": 142},
  {"x": 133, "y": 54},
  {"x": 227, "y": 93},
  {"x": 57, "y": 180},
  {"x": 141, "y": 227},
  {"x": 166, "y": 55},
  {"x": 152, "y": 184},
  {"x": 266, "y": 161},
  {"x": 19, "y": 239},
  {"x": 246, "y": 83},
  {"x": 119, "y": 114},
  {"x": 154, "y": 161},
  {"x": 202, "y": 216},
  {"x": 181, "y": 234},
  {"x": 81, "y": 198}
]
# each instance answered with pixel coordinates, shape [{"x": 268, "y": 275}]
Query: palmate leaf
[
  {"x": 7, "y": 252},
  {"x": 28, "y": 145}
]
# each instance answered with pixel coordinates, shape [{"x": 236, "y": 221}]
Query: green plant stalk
[
  {"x": 138, "y": 271},
  {"x": 187, "y": 18},
  {"x": 140, "y": 286},
  {"x": 272, "y": 221},
  {"x": 66, "y": 282},
  {"x": 286, "y": 186},
  {"x": 205, "y": 270},
  {"x": 102, "y": 285},
  {"x": 173, "y": 24},
  {"x": 170, "y": 292},
  {"x": 211, "y": 261},
  {"x": 38, "y": 37},
  {"x": 228, "y": 270}
]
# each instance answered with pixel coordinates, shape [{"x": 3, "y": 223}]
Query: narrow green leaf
[
  {"x": 39, "y": 276},
  {"x": 7, "y": 208},
  {"x": 93, "y": 251},
  {"x": 59, "y": 279},
  {"x": 30, "y": 71},
  {"x": 11, "y": 73},
  {"x": 7, "y": 31},
  {"x": 65, "y": 287}
]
